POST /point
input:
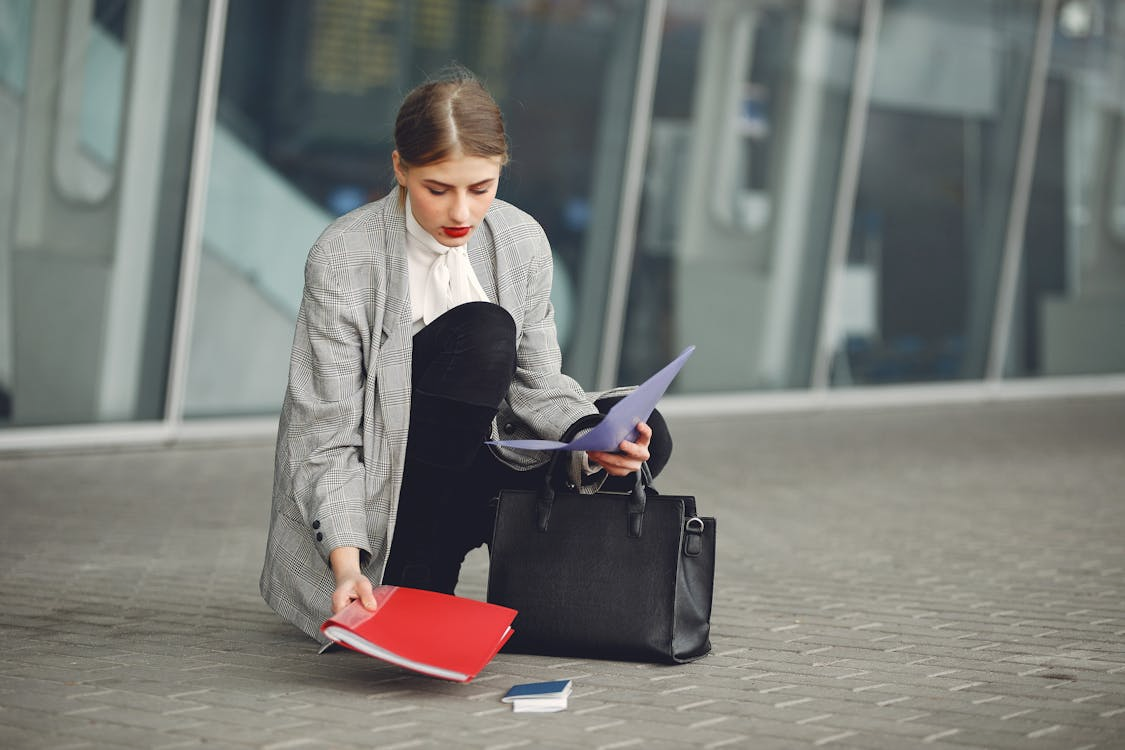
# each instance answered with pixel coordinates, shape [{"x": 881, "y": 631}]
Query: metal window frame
[
  {"x": 632, "y": 185},
  {"x": 894, "y": 396},
  {"x": 191, "y": 255},
  {"x": 1012, "y": 261},
  {"x": 843, "y": 210}
]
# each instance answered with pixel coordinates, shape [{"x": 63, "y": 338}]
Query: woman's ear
[{"x": 400, "y": 170}]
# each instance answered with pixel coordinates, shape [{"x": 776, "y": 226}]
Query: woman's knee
[
  {"x": 468, "y": 353},
  {"x": 483, "y": 331},
  {"x": 482, "y": 322}
]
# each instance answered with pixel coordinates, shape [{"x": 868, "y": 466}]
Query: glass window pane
[
  {"x": 934, "y": 192},
  {"x": 97, "y": 105},
  {"x": 1070, "y": 310},
  {"x": 747, "y": 130},
  {"x": 15, "y": 39},
  {"x": 307, "y": 102}
]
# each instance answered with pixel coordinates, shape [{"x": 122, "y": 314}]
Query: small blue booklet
[
  {"x": 538, "y": 697},
  {"x": 620, "y": 422}
]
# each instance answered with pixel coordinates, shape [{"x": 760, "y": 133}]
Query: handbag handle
[{"x": 637, "y": 497}]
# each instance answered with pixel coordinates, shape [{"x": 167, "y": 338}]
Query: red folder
[{"x": 440, "y": 635}]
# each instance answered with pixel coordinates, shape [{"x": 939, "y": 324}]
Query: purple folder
[{"x": 620, "y": 422}]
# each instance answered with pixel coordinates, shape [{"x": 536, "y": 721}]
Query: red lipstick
[{"x": 456, "y": 231}]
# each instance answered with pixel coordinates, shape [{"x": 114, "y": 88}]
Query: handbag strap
[{"x": 638, "y": 497}]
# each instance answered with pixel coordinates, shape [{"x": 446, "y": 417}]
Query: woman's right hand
[{"x": 351, "y": 583}]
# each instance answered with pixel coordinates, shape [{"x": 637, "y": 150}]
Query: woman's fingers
[
  {"x": 630, "y": 455},
  {"x": 366, "y": 595},
  {"x": 350, "y": 589},
  {"x": 340, "y": 599},
  {"x": 644, "y": 434}
]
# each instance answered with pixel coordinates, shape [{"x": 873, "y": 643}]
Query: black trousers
[{"x": 463, "y": 364}]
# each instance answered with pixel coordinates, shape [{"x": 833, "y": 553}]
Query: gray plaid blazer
[{"x": 342, "y": 435}]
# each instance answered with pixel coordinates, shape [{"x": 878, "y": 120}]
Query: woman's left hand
[{"x": 630, "y": 455}]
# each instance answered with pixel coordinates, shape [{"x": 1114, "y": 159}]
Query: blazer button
[
  {"x": 319, "y": 537},
  {"x": 316, "y": 524},
  {"x": 509, "y": 428}
]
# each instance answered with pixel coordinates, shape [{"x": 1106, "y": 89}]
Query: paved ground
[{"x": 935, "y": 577}]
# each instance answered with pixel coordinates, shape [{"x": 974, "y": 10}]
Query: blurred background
[{"x": 824, "y": 196}]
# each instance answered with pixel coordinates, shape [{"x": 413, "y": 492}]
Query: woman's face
[{"x": 451, "y": 197}]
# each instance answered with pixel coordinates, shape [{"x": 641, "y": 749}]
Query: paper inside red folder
[{"x": 440, "y": 635}]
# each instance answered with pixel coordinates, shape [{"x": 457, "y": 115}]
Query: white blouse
[{"x": 440, "y": 277}]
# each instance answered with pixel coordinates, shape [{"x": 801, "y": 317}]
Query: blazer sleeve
[
  {"x": 320, "y": 440},
  {"x": 542, "y": 396}
]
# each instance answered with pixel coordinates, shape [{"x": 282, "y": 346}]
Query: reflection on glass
[
  {"x": 1070, "y": 310},
  {"x": 934, "y": 193},
  {"x": 748, "y": 122},
  {"x": 90, "y": 241},
  {"x": 91, "y": 92},
  {"x": 307, "y": 102},
  {"x": 15, "y": 34}
]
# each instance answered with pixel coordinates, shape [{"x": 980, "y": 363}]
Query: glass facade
[
  {"x": 819, "y": 194},
  {"x": 748, "y": 122},
  {"x": 947, "y": 106},
  {"x": 97, "y": 106},
  {"x": 1069, "y": 300}
]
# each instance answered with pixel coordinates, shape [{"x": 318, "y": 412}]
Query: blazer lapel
[
  {"x": 397, "y": 316},
  {"x": 482, "y": 254}
]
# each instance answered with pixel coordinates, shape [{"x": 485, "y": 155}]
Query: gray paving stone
[
  {"x": 253, "y": 736},
  {"x": 934, "y": 578},
  {"x": 15, "y": 737}
]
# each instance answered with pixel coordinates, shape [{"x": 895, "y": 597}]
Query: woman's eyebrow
[{"x": 440, "y": 184}]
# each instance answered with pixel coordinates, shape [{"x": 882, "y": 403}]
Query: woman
[{"x": 425, "y": 328}]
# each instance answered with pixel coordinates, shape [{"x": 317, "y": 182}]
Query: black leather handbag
[{"x": 625, "y": 576}]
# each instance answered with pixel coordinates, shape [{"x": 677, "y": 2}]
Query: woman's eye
[
  {"x": 480, "y": 191},
  {"x": 436, "y": 192}
]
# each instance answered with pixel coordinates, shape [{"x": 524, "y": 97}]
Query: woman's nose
[{"x": 459, "y": 212}]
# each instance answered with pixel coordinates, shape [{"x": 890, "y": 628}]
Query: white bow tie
[{"x": 450, "y": 282}]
